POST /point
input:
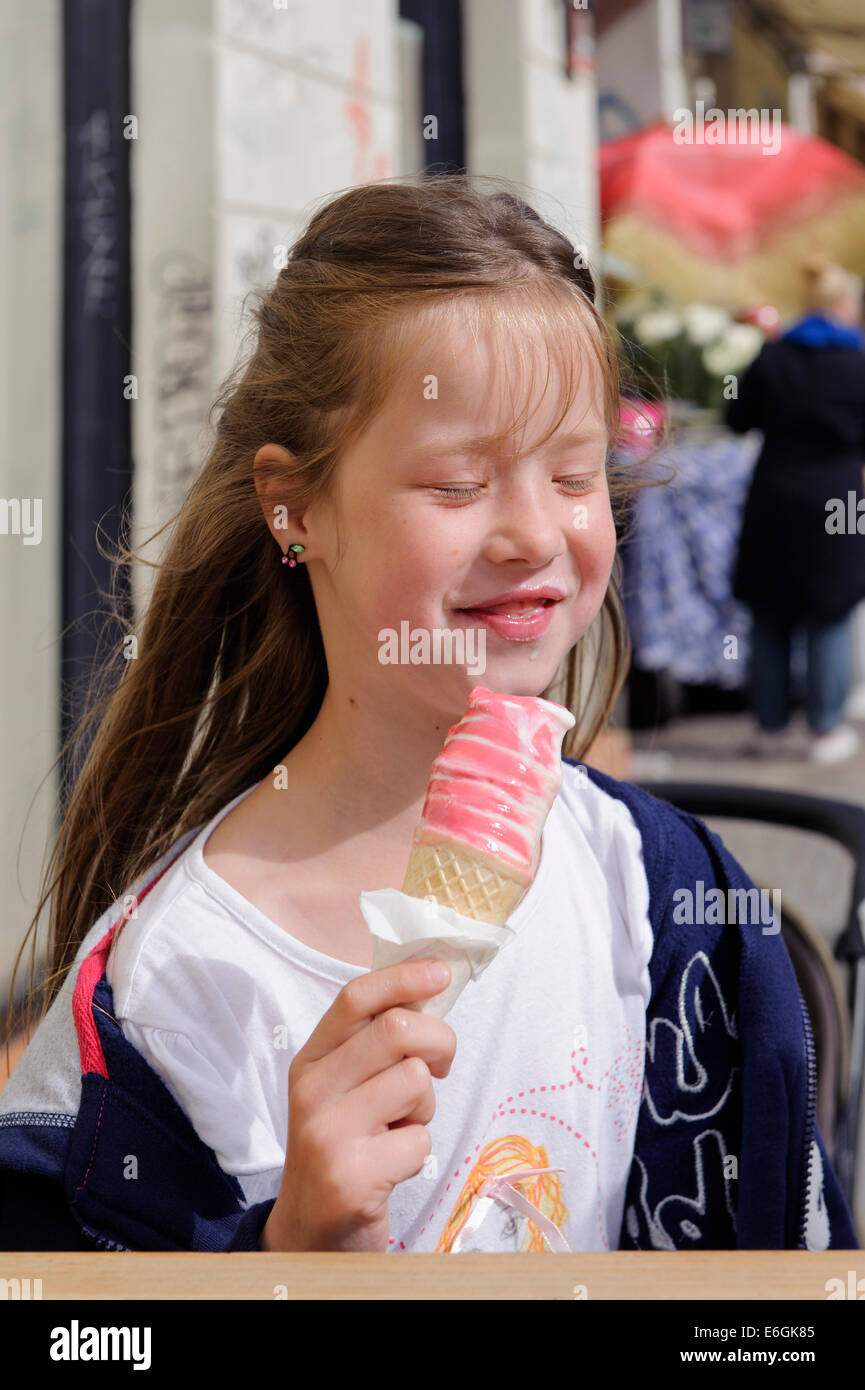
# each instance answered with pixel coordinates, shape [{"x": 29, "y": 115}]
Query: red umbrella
[{"x": 730, "y": 220}]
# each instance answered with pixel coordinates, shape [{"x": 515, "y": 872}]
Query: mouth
[
  {"x": 518, "y": 620},
  {"x": 517, "y": 607}
]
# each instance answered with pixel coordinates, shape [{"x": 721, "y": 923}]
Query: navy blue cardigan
[{"x": 95, "y": 1153}]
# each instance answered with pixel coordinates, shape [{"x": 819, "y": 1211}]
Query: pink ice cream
[{"x": 493, "y": 784}]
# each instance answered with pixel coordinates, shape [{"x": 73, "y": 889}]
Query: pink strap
[
  {"x": 500, "y": 1189},
  {"x": 89, "y": 974}
]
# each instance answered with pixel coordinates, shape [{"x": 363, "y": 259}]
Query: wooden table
[{"x": 726, "y": 1274}]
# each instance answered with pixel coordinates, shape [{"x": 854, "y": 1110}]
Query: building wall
[
  {"x": 526, "y": 119},
  {"x": 629, "y": 72},
  {"x": 173, "y": 175},
  {"x": 250, "y": 115},
  {"x": 761, "y": 72},
  {"x": 31, "y": 174}
]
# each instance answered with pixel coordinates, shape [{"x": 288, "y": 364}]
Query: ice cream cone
[
  {"x": 477, "y": 846},
  {"x": 466, "y": 880}
]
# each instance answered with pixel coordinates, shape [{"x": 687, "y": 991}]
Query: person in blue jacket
[
  {"x": 801, "y": 556},
  {"x": 218, "y": 1066}
]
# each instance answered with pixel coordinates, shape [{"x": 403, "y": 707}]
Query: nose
[{"x": 527, "y": 527}]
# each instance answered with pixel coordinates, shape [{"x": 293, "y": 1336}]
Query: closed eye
[{"x": 580, "y": 484}]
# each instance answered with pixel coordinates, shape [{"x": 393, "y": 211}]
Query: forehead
[{"x": 508, "y": 376}]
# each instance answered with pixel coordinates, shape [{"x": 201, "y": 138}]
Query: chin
[{"x": 520, "y": 675}]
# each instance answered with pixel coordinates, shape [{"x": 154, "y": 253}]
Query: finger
[
  {"x": 364, "y": 997},
  {"x": 382, "y": 1043},
  {"x": 399, "y": 1154},
  {"x": 393, "y": 1094},
  {"x": 378, "y": 1044}
]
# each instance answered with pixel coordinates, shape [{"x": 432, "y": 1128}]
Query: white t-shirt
[{"x": 548, "y": 1068}]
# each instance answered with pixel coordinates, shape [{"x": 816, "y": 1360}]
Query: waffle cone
[{"x": 471, "y": 883}]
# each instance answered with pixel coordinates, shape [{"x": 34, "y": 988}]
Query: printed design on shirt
[
  {"x": 678, "y": 1087},
  {"x": 619, "y": 1086},
  {"x": 681, "y": 1214},
  {"x": 509, "y": 1154},
  {"x": 817, "y": 1230},
  {"x": 624, "y": 1082},
  {"x": 672, "y": 1048}
]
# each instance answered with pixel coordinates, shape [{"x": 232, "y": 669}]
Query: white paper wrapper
[{"x": 405, "y": 928}]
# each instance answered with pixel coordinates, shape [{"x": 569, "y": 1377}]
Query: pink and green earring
[{"x": 292, "y": 551}]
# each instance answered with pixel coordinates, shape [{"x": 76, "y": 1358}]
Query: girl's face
[{"x": 432, "y": 530}]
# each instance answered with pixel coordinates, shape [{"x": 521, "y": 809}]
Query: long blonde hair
[{"x": 230, "y": 669}]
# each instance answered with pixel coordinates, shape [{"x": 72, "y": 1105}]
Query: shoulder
[
  {"x": 601, "y": 806},
  {"x": 679, "y": 853},
  {"x": 767, "y": 355},
  {"x": 666, "y": 833},
  {"x": 46, "y": 1082},
  {"x": 154, "y": 964}
]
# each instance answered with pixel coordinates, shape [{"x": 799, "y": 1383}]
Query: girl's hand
[{"x": 359, "y": 1097}]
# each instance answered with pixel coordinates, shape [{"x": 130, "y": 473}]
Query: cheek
[
  {"x": 403, "y": 577},
  {"x": 430, "y": 546},
  {"x": 611, "y": 541},
  {"x": 595, "y": 546}
]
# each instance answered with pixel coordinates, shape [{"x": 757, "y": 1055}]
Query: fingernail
[{"x": 438, "y": 972}]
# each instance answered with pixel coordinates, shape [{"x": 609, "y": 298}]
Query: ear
[{"x": 284, "y": 529}]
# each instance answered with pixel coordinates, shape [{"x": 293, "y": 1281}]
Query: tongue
[{"x": 515, "y": 606}]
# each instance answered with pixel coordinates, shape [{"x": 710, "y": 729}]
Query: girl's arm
[
  {"x": 34, "y": 1215},
  {"x": 97, "y": 1154}
]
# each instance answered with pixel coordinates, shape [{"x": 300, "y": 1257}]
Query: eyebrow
[{"x": 476, "y": 445}]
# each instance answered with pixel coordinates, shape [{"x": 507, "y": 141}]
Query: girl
[{"x": 219, "y": 1067}]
